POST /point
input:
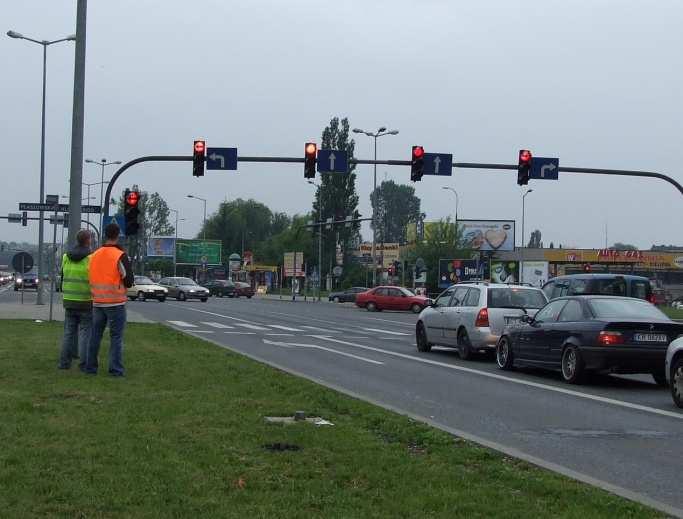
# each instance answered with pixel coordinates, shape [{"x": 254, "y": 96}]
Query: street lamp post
[
  {"x": 102, "y": 163},
  {"x": 204, "y": 226},
  {"x": 381, "y": 132},
  {"x": 45, "y": 44},
  {"x": 456, "y": 205},
  {"x": 521, "y": 262},
  {"x": 320, "y": 242}
]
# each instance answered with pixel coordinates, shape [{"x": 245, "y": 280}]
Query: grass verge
[
  {"x": 183, "y": 434},
  {"x": 674, "y": 313}
]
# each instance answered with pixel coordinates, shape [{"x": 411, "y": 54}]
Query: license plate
[
  {"x": 513, "y": 320},
  {"x": 650, "y": 337}
]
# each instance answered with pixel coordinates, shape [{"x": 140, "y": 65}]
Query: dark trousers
[{"x": 115, "y": 316}]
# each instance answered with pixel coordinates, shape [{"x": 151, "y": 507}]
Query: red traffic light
[
  {"x": 133, "y": 198},
  {"x": 311, "y": 148},
  {"x": 199, "y": 146},
  {"x": 525, "y": 156},
  {"x": 418, "y": 152}
]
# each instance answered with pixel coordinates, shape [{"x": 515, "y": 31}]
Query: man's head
[
  {"x": 111, "y": 232},
  {"x": 83, "y": 238}
]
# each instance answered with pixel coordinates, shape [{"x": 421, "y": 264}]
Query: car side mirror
[{"x": 526, "y": 319}]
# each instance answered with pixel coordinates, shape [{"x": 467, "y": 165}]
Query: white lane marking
[
  {"x": 522, "y": 382},
  {"x": 201, "y": 331},
  {"x": 317, "y": 328},
  {"x": 385, "y": 331},
  {"x": 242, "y": 333},
  {"x": 250, "y": 326},
  {"x": 279, "y": 334},
  {"x": 286, "y": 328},
  {"x": 216, "y": 325},
  {"x": 389, "y": 321},
  {"x": 187, "y": 307},
  {"x": 316, "y": 347},
  {"x": 182, "y": 324}
]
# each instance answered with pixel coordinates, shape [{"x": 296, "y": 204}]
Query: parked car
[
  {"x": 144, "y": 288},
  {"x": 673, "y": 369},
  {"x": 677, "y": 304},
  {"x": 391, "y": 298},
  {"x": 622, "y": 285},
  {"x": 472, "y": 316},
  {"x": 221, "y": 287},
  {"x": 184, "y": 288},
  {"x": 580, "y": 334},
  {"x": 29, "y": 280},
  {"x": 346, "y": 296},
  {"x": 243, "y": 289}
]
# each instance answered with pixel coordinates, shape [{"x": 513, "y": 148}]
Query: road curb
[{"x": 509, "y": 451}]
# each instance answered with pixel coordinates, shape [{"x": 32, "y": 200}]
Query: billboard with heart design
[{"x": 488, "y": 235}]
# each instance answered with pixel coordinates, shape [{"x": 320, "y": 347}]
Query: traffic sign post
[
  {"x": 221, "y": 158},
  {"x": 545, "y": 168},
  {"x": 438, "y": 164},
  {"x": 333, "y": 161}
]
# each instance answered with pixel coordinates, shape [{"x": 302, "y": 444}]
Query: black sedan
[
  {"x": 581, "y": 334},
  {"x": 221, "y": 287},
  {"x": 346, "y": 296},
  {"x": 29, "y": 280}
]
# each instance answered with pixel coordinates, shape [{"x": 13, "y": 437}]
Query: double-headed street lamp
[
  {"x": 204, "y": 226},
  {"x": 381, "y": 132},
  {"x": 521, "y": 263},
  {"x": 456, "y": 204},
  {"x": 102, "y": 163},
  {"x": 45, "y": 44}
]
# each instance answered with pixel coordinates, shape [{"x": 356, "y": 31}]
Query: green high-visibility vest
[{"x": 75, "y": 284}]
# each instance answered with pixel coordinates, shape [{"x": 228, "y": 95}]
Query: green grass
[
  {"x": 182, "y": 436},
  {"x": 674, "y": 313}
]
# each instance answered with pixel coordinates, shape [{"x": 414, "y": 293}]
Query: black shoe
[{"x": 61, "y": 366}]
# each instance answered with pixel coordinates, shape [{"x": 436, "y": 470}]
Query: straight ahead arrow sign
[
  {"x": 437, "y": 163},
  {"x": 332, "y": 158}
]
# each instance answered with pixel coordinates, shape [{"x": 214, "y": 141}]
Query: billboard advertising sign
[
  {"x": 160, "y": 246},
  {"x": 488, "y": 235},
  {"x": 294, "y": 264},
  {"x": 535, "y": 272},
  {"x": 504, "y": 271},
  {"x": 458, "y": 270},
  {"x": 386, "y": 253},
  {"x": 198, "y": 252}
]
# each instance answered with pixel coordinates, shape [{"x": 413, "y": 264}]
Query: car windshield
[
  {"x": 625, "y": 309},
  {"x": 185, "y": 281},
  {"x": 406, "y": 291},
  {"x": 143, "y": 280},
  {"x": 516, "y": 298}
]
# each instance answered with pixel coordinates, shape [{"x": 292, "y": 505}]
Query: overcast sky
[{"x": 596, "y": 83}]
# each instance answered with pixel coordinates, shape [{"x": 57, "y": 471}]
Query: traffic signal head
[
  {"x": 131, "y": 212},
  {"x": 309, "y": 159},
  {"x": 524, "y": 167},
  {"x": 417, "y": 163},
  {"x": 198, "y": 158},
  {"x": 587, "y": 267}
]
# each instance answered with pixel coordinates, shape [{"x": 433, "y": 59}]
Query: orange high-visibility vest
[{"x": 106, "y": 285}]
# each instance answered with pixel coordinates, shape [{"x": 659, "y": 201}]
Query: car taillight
[
  {"x": 610, "y": 338},
  {"x": 482, "y": 320}
]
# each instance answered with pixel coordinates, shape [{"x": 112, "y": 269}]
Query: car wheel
[
  {"x": 464, "y": 345},
  {"x": 337, "y": 300},
  {"x": 161, "y": 299},
  {"x": 16, "y": 288},
  {"x": 677, "y": 382},
  {"x": 181, "y": 296},
  {"x": 421, "y": 338},
  {"x": 660, "y": 378},
  {"x": 416, "y": 308},
  {"x": 141, "y": 296},
  {"x": 371, "y": 307},
  {"x": 504, "y": 357},
  {"x": 249, "y": 297},
  {"x": 573, "y": 370},
  {"x": 204, "y": 299},
  {"x": 132, "y": 298}
]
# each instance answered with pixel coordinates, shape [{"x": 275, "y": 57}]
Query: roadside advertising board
[
  {"x": 535, "y": 272},
  {"x": 458, "y": 270},
  {"x": 294, "y": 268},
  {"x": 160, "y": 247},
  {"x": 505, "y": 271},
  {"x": 197, "y": 252},
  {"x": 488, "y": 235}
]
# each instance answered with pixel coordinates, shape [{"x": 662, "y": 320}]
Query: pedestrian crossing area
[{"x": 281, "y": 330}]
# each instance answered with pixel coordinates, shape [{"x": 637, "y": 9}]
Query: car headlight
[
  {"x": 192, "y": 290},
  {"x": 19, "y": 280}
]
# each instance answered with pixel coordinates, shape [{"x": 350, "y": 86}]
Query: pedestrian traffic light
[
  {"x": 24, "y": 219},
  {"x": 131, "y": 211},
  {"x": 198, "y": 158},
  {"x": 417, "y": 163},
  {"x": 309, "y": 159},
  {"x": 524, "y": 167}
]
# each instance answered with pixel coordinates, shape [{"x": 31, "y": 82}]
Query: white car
[
  {"x": 144, "y": 288},
  {"x": 673, "y": 369}
]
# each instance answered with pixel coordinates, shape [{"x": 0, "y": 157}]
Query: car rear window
[
  {"x": 625, "y": 309},
  {"x": 608, "y": 287},
  {"x": 515, "y": 298},
  {"x": 640, "y": 289}
]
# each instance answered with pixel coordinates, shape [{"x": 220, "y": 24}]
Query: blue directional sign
[
  {"x": 438, "y": 164},
  {"x": 333, "y": 161},
  {"x": 221, "y": 158},
  {"x": 117, "y": 219},
  {"x": 545, "y": 168}
]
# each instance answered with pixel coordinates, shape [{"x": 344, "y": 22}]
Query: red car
[
  {"x": 391, "y": 298},
  {"x": 243, "y": 289}
]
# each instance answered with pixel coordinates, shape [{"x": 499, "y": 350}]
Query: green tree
[
  {"x": 623, "y": 246},
  {"x": 395, "y": 206},
  {"x": 535, "y": 240},
  {"x": 336, "y": 196}
]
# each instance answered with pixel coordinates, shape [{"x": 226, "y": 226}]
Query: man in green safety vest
[{"x": 77, "y": 302}]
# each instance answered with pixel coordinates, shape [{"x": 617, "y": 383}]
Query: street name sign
[
  {"x": 438, "y": 164},
  {"x": 221, "y": 158},
  {"x": 333, "y": 161},
  {"x": 60, "y": 208},
  {"x": 545, "y": 168}
]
